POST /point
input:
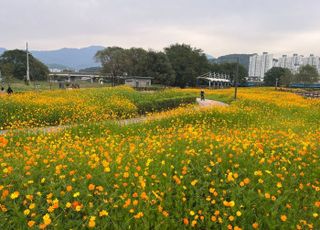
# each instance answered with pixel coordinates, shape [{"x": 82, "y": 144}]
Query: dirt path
[{"x": 54, "y": 129}]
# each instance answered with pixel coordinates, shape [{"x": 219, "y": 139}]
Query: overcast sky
[{"x": 216, "y": 26}]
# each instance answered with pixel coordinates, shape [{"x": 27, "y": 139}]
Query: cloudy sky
[{"x": 216, "y": 26}]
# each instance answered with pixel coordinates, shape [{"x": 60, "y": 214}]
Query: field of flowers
[
  {"x": 62, "y": 107},
  {"x": 252, "y": 165}
]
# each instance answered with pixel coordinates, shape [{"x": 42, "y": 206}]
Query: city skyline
[{"x": 218, "y": 28}]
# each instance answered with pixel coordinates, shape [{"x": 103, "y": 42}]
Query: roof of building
[
  {"x": 137, "y": 77},
  {"x": 214, "y": 79}
]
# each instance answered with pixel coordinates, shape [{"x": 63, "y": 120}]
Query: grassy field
[
  {"x": 20, "y": 86},
  {"x": 252, "y": 165}
]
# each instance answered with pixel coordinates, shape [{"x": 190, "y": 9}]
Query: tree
[
  {"x": 160, "y": 69},
  {"x": 187, "y": 62},
  {"x": 307, "y": 74},
  {"x": 283, "y": 75},
  {"x": 287, "y": 78},
  {"x": 117, "y": 61},
  {"x": 230, "y": 69},
  {"x": 137, "y": 62},
  {"x": 13, "y": 63},
  {"x": 114, "y": 60}
]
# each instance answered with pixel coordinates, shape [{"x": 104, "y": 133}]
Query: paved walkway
[
  {"x": 54, "y": 129},
  {"x": 207, "y": 103}
]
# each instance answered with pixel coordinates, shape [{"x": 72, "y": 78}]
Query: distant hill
[
  {"x": 91, "y": 70},
  {"x": 2, "y": 50},
  {"x": 58, "y": 67},
  {"x": 243, "y": 59},
  {"x": 209, "y": 57},
  {"x": 69, "y": 58}
]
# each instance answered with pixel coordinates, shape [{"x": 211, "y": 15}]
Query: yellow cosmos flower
[
  {"x": 138, "y": 215},
  {"x": 76, "y": 194},
  {"x": 46, "y": 219},
  {"x": 194, "y": 182},
  {"x": 103, "y": 213},
  {"x": 26, "y": 212},
  {"x": 14, "y": 195}
]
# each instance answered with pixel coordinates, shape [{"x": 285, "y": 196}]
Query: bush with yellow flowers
[{"x": 64, "y": 107}]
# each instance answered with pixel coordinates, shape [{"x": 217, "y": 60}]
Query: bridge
[
  {"x": 72, "y": 77},
  {"x": 214, "y": 80}
]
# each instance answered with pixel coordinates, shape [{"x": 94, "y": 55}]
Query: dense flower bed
[
  {"x": 253, "y": 165},
  {"x": 48, "y": 108}
]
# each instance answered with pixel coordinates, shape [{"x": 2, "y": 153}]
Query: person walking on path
[
  {"x": 202, "y": 95},
  {"x": 9, "y": 90}
]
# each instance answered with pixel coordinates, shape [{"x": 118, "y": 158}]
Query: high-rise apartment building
[
  {"x": 259, "y": 65},
  {"x": 294, "y": 62}
]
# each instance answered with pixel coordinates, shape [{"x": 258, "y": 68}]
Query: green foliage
[
  {"x": 136, "y": 62},
  {"x": 187, "y": 62},
  {"x": 307, "y": 74},
  {"x": 13, "y": 63},
  {"x": 283, "y": 75},
  {"x": 160, "y": 68},
  {"x": 114, "y": 61},
  {"x": 164, "y": 103}
]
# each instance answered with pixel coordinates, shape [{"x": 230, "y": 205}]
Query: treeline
[
  {"x": 306, "y": 74},
  {"x": 177, "y": 65}
]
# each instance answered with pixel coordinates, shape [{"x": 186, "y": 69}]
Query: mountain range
[{"x": 67, "y": 58}]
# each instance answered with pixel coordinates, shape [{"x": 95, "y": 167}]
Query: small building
[{"x": 138, "y": 82}]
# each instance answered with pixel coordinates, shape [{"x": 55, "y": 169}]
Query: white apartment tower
[
  {"x": 259, "y": 65},
  {"x": 294, "y": 62}
]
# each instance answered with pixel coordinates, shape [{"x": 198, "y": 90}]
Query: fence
[{"x": 311, "y": 94}]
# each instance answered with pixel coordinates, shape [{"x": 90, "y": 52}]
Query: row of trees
[
  {"x": 177, "y": 65},
  {"x": 306, "y": 74},
  {"x": 13, "y": 64}
]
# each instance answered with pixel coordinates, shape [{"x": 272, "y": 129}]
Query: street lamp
[{"x": 236, "y": 80}]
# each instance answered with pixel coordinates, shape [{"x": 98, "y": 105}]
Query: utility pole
[
  {"x": 236, "y": 80},
  {"x": 28, "y": 70}
]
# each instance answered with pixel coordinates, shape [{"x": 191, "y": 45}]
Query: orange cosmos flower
[
  {"x": 91, "y": 187},
  {"x": 255, "y": 225},
  {"x": 283, "y": 218},
  {"x": 185, "y": 221}
]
